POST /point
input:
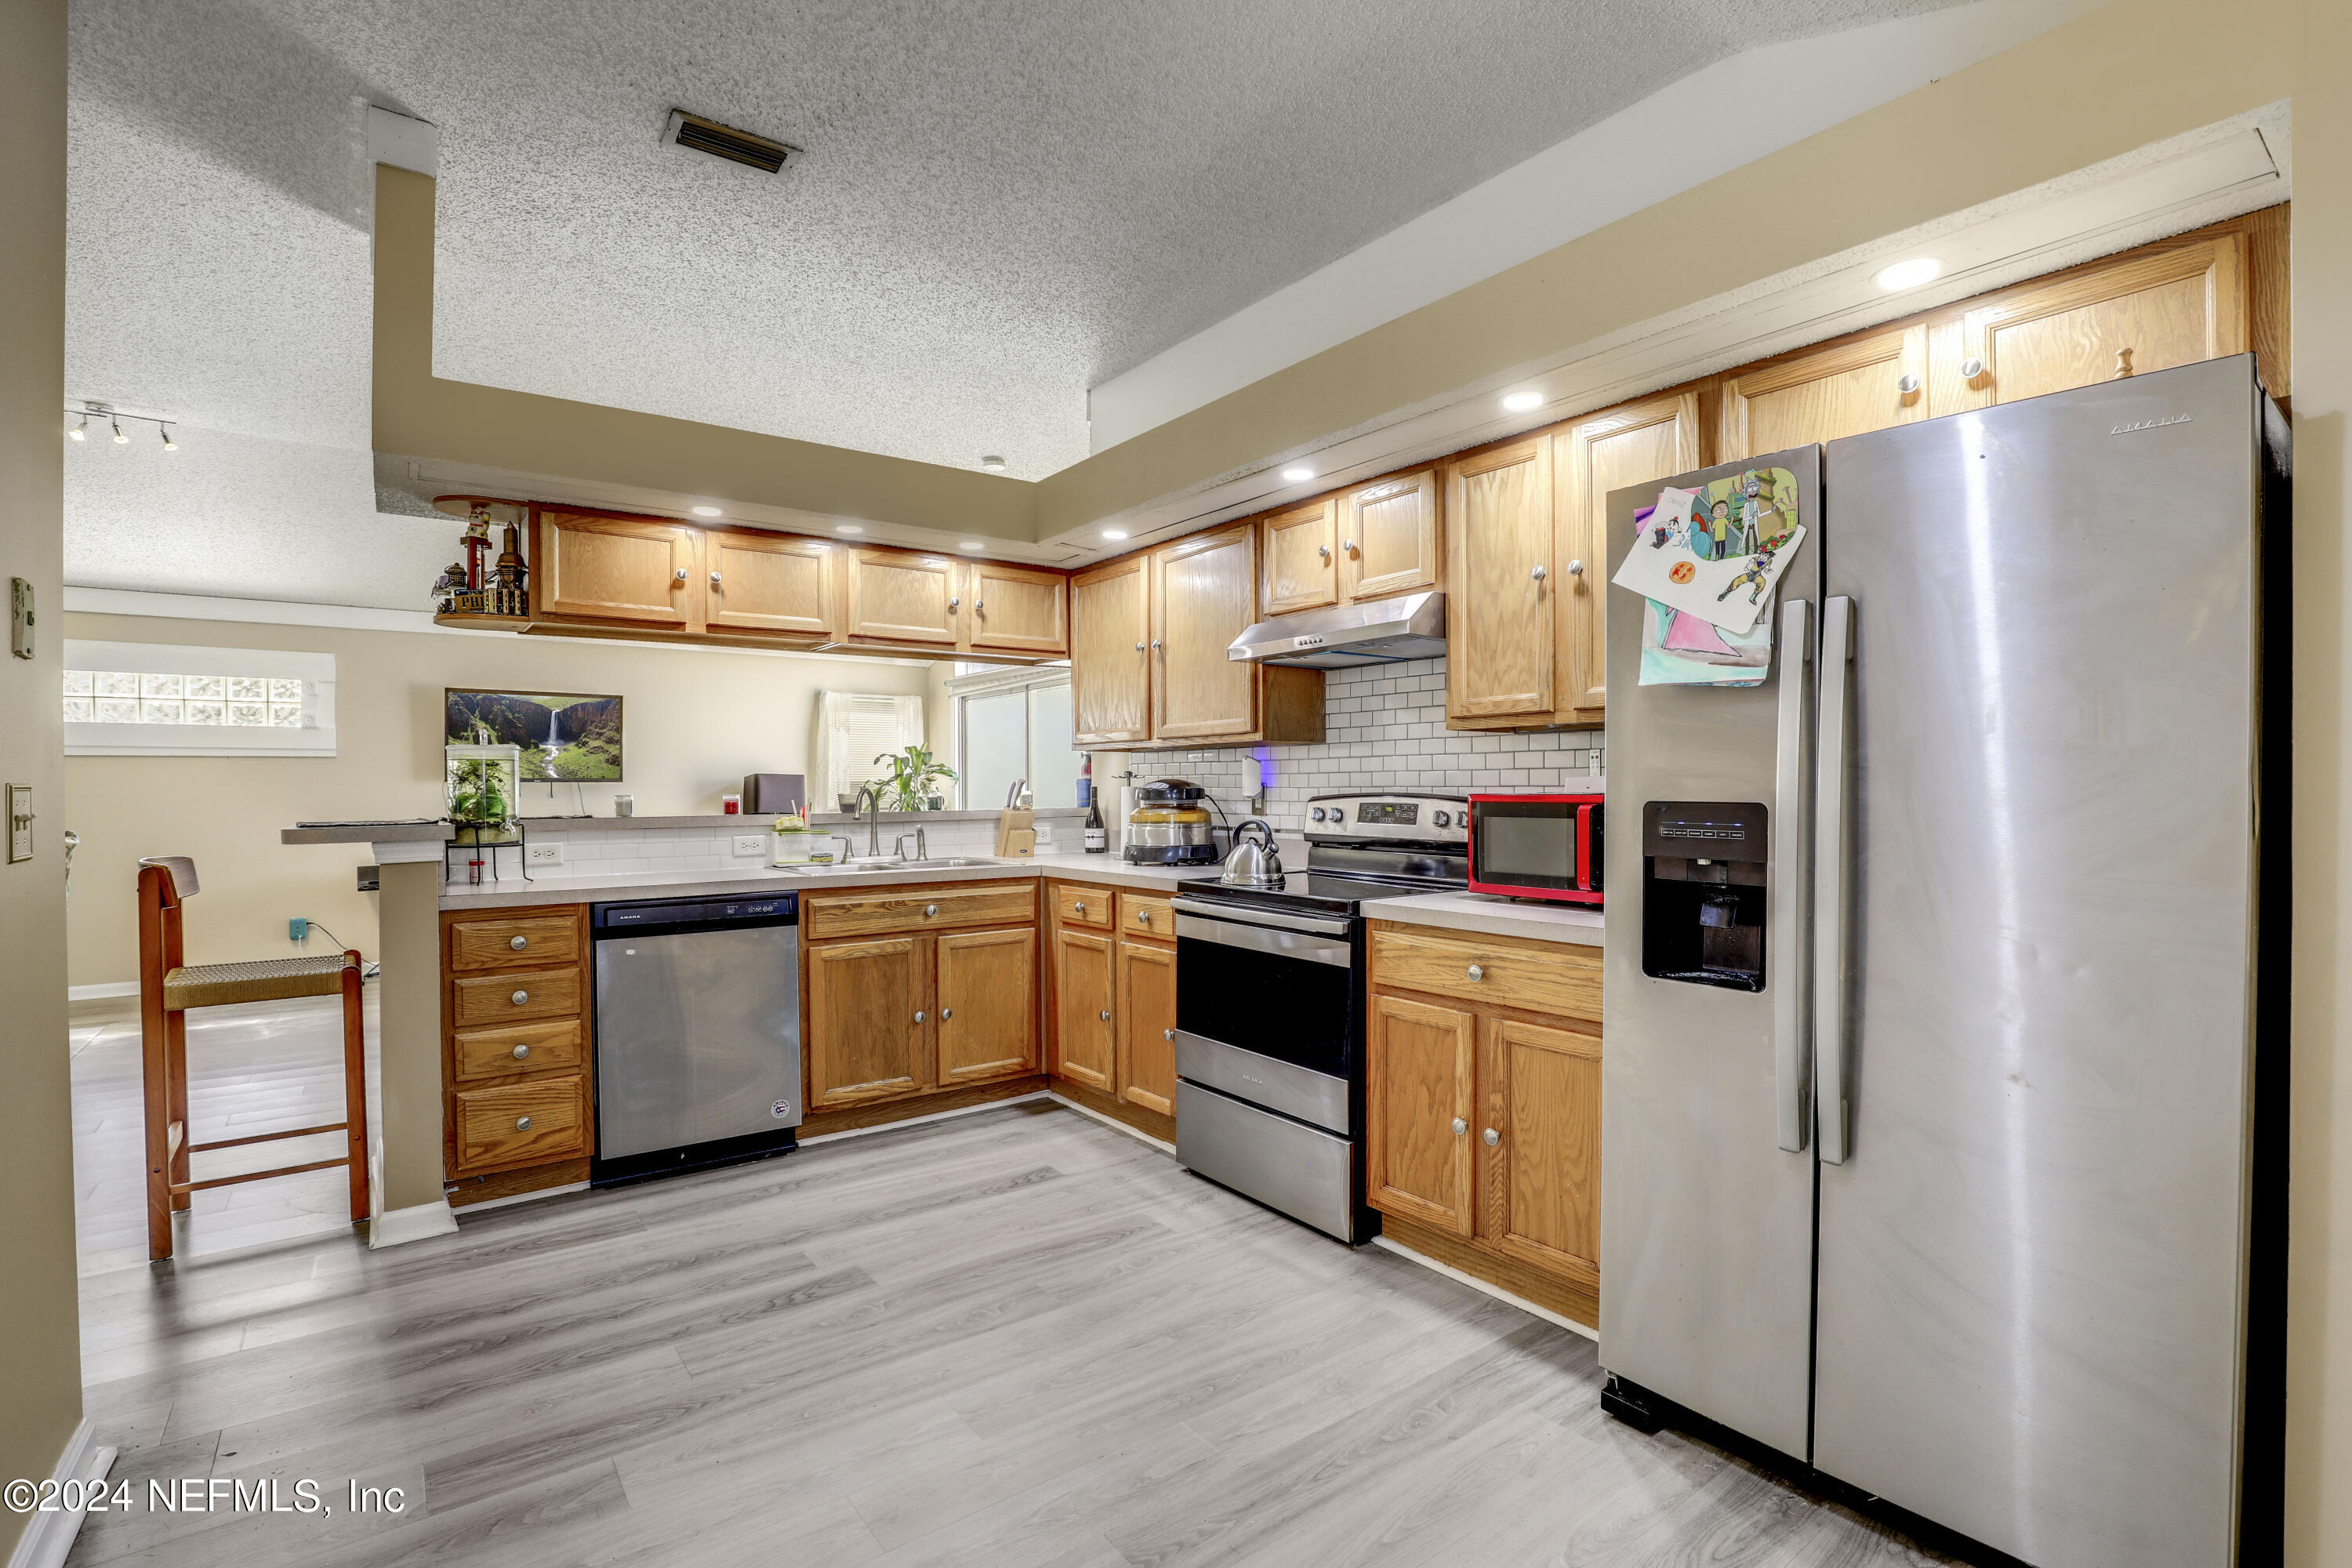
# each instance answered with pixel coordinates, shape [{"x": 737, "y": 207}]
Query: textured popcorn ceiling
[{"x": 1001, "y": 205}]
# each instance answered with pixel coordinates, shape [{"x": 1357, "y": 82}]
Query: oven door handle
[
  {"x": 1261, "y": 939},
  {"x": 1323, "y": 925}
]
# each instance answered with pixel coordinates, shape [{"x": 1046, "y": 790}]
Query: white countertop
[{"x": 1494, "y": 916}]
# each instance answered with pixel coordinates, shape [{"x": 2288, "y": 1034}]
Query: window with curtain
[
  {"x": 854, "y": 728},
  {"x": 1015, "y": 725}
]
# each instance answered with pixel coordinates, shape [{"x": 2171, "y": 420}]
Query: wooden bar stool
[{"x": 168, "y": 988}]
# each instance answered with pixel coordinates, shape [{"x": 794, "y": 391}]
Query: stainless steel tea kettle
[{"x": 1253, "y": 864}]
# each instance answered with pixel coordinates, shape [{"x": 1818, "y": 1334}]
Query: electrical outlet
[
  {"x": 546, "y": 854},
  {"x": 747, "y": 844},
  {"x": 298, "y": 929}
]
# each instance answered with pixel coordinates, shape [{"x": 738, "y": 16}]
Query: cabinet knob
[
  {"x": 1908, "y": 385},
  {"x": 952, "y": 604},
  {"x": 1349, "y": 546},
  {"x": 681, "y": 574},
  {"x": 518, "y": 943},
  {"x": 1324, "y": 551},
  {"x": 1539, "y": 573},
  {"x": 1139, "y": 648},
  {"x": 979, "y": 606},
  {"x": 1576, "y": 568},
  {"x": 2123, "y": 363},
  {"x": 519, "y": 997},
  {"x": 521, "y": 1052},
  {"x": 945, "y": 1014},
  {"x": 930, "y": 910},
  {"x": 1460, "y": 1127},
  {"x": 1493, "y": 1138},
  {"x": 1167, "y": 1034},
  {"x": 918, "y": 1017},
  {"x": 523, "y": 1123},
  {"x": 1079, "y": 907},
  {"x": 1143, "y": 915},
  {"x": 1155, "y": 642},
  {"x": 1106, "y": 1015},
  {"x": 1477, "y": 972},
  {"x": 1971, "y": 368}
]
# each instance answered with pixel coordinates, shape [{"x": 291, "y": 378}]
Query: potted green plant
[{"x": 914, "y": 775}]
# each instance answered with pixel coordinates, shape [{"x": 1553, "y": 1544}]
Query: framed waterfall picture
[{"x": 564, "y": 736}]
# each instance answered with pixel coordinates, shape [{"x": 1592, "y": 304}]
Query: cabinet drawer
[
  {"x": 486, "y": 999},
  {"x": 1141, "y": 914},
  {"x": 521, "y": 1123},
  {"x": 871, "y": 915},
  {"x": 1083, "y": 906},
  {"x": 1553, "y": 978},
  {"x": 556, "y": 1045},
  {"x": 503, "y": 943}
]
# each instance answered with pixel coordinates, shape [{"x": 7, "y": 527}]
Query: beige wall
[
  {"x": 40, "y": 1354},
  {"x": 695, "y": 722}
]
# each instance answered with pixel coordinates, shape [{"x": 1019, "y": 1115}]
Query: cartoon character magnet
[{"x": 1716, "y": 553}]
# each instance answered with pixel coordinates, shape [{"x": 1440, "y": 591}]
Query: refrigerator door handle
[
  {"x": 1791, "y": 853},
  {"x": 1831, "y": 1112}
]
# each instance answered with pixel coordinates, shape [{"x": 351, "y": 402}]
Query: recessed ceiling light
[
  {"x": 992, "y": 464},
  {"x": 973, "y": 544},
  {"x": 1909, "y": 274},
  {"x": 1520, "y": 402},
  {"x": 1296, "y": 475},
  {"x": 1114, "y": 534},
  {"x": 847, "y": 528},
  {"x": 704, "y": 510}
]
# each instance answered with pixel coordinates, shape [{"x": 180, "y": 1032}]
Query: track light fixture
[
  {"x": 165, "y": 431},
  {"x": 119, "y": 438},
  {"x": 91, "y": 409},
  {"x": 80, "y": 432}
]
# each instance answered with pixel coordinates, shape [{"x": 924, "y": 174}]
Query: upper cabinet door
[
  {"x": 1867, "y": 384},
  {"x": 1540, "y": 1184},
  {"x": 617, "y": 569},
  {"x": 1301, "y": 558},
  {"x": 1204, "y": 595},
  {"x": 1499, "y": 631},
  {"x": 1655, "y": 440},
  {"x": 898, "y": 595},
  {"x": 1388, "y": 538},
  {"x": 768, "y": 583},
  {"x": 1111, "y": 655},
  {"x": 2151, "y": 312},
  {"x": 1015, "y": 609}
]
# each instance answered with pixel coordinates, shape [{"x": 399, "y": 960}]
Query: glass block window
[{"x": 140, "y": 699}]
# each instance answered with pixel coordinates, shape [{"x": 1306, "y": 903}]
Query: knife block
[{"x": 1015, "y": 835}]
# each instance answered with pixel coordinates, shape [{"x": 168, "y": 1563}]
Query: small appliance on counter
[
  {"x": 1170, "y": 826},
  {"x": 1536, "y": 846},
  {"x": 765, "y": 795}
]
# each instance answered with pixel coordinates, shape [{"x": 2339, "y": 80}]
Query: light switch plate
[
  {"x": 20, "y": 822},
  {"x": 20, "y": 617}
]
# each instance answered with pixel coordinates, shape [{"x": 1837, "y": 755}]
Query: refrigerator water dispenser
[{"x": 1703, "y": 892}]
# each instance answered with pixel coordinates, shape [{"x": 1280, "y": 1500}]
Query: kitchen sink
[{"x": 935, "y": 864}]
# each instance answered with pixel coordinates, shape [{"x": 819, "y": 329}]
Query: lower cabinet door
[
  {"x": 1539, "y": 1147},
  {"x": 521, "y": 1123},
  {"x": 1083, "y": 1002},
  {"x": 1418, "y": 1107},
  {"x": 867, "y": 1020},
  {"x": 1147, "y": 1026},
  {"x": 988, "y": 1016}
]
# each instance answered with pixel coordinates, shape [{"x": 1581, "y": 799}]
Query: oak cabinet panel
[
  {"x": 1539, "y": 1191},
  {"x": 1085, "y": 1042},
  {"x": 1418, "y": 1108},
  {"x": 768, "y": 583},
  {"x": 1499, "y": 636},
  {"x": 1110, "y": 660},
  {"x": 1147, "y": 1026},
  {"x": 1849, "y": 389},
  {"x": 617, "y": 569},
  {"x": 555, "y": 1045},
  {"x": 520, "y": 1123},
  {"x": 1015, "y": 610},
  {"x": 898, "y": 596},
  {"x": 1203, "y": 594},
  {"x": 910, "y": 910},
  {"x": 504, "y": 943},
  {"x": 1653, "y": 440},
  {"x": 986, "y": 990},
  {"x": 478, "y": 1000},
  {"x": 864, "y": 1038},
  {"x": 1077, "y": 905},
  {"x": 1388, "y": 538},
  {"x": 1302, "y": 568},
  {"x": 1496, "y": 972}
]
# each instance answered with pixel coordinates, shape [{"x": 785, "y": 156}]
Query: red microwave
[{"x": 1536, "y": 846}]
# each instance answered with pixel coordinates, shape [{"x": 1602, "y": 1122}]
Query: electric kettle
[{"x": 1253, "y": 864}]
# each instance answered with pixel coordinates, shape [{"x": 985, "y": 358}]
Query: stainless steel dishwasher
[{"x": 698, "y": 1033}]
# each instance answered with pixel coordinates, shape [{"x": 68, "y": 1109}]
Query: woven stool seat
[{"x": 260, "y": 980}]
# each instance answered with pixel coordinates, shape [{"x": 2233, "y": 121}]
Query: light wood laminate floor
[{"x": 1018, "y": 1337}]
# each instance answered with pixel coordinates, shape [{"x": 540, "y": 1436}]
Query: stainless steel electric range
[{"x": 1270, "y": 1011}]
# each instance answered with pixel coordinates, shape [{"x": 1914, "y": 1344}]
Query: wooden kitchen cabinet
[
  {"x": 986, "y": 991},
  {"x": 1500, "y": 637},
  {"x": 1418, "y": 1105},
  {"x": 1632, "y": 444},
  {"x": 1111, "y": 653},
  {"x": 518, "y": 1077},
  {"x": 768, "y": 583},
  {"x": 1849, "y": 388},
  {"x": 1114, "y": 1002},
  {"x": 866, "y": 1032},
  {"x": 613, "y": 568},
  {"x": 1015, "y": 609},
  {"x": 1302, "y": 558},
  {"x": 1540, "y": 1188},
  {"x": 1203, "y": 595},
  {"x": 898, "y": 596},
  {"x": 1389, "y": 539},
  {"x": 1086, "y": 1040}
]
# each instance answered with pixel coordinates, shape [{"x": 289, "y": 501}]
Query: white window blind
[{"x": 854, "y": 728}]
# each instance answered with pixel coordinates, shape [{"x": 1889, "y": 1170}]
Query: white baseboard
[
  {"x": 95, "y": 992},
  {"x": 395, "y": 1226},
  {"x": 1497, "y": 1291},
  {"x": 47, "y": 1537},
  {"x": 918, "y": 1121},
  {"x": 1115, "y": 1125}
]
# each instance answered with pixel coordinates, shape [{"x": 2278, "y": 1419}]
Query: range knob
[
  {"x": 1443, "y": 819},
  {"x": 1316, "y": 814}
]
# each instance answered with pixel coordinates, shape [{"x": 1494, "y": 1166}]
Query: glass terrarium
[{"x": 484, "y": 784}]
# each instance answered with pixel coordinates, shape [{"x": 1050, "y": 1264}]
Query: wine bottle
[{"x": 1097, "y": 836}]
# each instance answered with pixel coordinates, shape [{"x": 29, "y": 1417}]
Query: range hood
[{"x": 1386, "y": 631}]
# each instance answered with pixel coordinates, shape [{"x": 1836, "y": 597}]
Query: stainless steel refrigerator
[{"x": 1936, "y": 1150}]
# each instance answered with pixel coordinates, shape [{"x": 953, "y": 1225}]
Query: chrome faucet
[
  {"x": 922, "y": 850},
  {"x": 848, "y": 845},
  {"x": 869, "y": 806}
]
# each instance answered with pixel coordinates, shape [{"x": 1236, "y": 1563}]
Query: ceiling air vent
[{"x": 724, "y": 142}]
